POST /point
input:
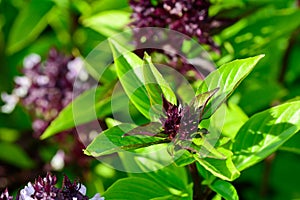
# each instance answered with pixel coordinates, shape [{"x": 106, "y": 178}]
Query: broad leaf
[
  {"x": 128, "y": 67},
  {"x": 113, "y": 140},
  {"x": 264, "y": 133},
  {"x": 223, "y": 169},
  {"x": 225, "y": 189},
  {"x": 31, "y": 21},
  {"x": 137, "y": 188},
  {"x": 226, "y": 78},
  {"x": 90, "y": 105}
]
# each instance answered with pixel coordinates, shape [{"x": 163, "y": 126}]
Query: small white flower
[
  {"x": 10, "y": 102},
  {"x": 23, "y": 81},
  {"x": 82, "y": 188},
  {"x": 58, "y": 162},
  {"x": 42, "y": 80},
  {"x": 76, "y": 68},
  {"x": 20, "y": 91},
  {"x": 97, "y": 197},
  {"x": 31, "y": 60},
  {"x": 25, "y": 194}
]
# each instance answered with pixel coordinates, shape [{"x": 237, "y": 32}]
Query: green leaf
[
  {"x": 113, "y": 140},
  {"x": 292, "y": 145},
  {"x": 156, "y": 85},
  {"x": 226, "y": 78},
  {"x": 90, "y": 105},
  {"x": 14, "y": 155},
  {"x": 135, "y": 188},
  {"x": 225, "y": 189},
  {"x": 31, "y": 21},
  {"x": 128, "y": 67},
  {"x": 264, "y": 133},
  {"x": 108, "y": 23},
  {"x": 224, "y": 169}
]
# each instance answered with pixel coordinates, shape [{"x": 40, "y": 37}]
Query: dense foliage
[{"x": 157, "y": 99}]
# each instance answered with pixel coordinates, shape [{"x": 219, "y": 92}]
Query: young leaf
[
  {"x": 128, "y": 67},
  {"x": 225, "y": 189},
  {"x": 264, "y": 133},
  {"x": 90, "y": 105},
  {"x": 113, "y": 140},
  {"x": 223, "y": 169},
  {"x": 29, "y": 24},
  {"x": 226, "y": 78},
  {"x": 156, "y": 85}
]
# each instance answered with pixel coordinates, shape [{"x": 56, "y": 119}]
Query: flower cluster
[
  {"x": 5, "y": 195},
  {"x": 46, "y": 87},
  {"x": 188, "y": 17},
  {"x": 45, "y": 189}
]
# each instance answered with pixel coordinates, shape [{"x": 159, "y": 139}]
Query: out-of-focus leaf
[
  {"x": 107, "y": 23},
  {"x": 264, "y": 133},
  {"x": 90, "y": 105},
  {"x": 225, "y": 189},
  {"x": 29, "y": 24},
  {"x": 251, "y": 34},
  {"x": 128, "y": 67},
  {"x": 226, "y": 78},
  {"x": 113, "y": 140},
  {"x": 13, "y": 154},
  {"x": 292, "y": 145}
]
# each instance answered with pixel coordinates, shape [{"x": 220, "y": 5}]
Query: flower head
[
  {"x": 45, "y": 189},
  {"x": 5, "y": 195},
  {"x": 47, "y": 86},
  {"x": 190, "y": 17}
]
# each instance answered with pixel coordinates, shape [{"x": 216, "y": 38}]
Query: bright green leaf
[
  {"x": 264, "y": 133},
  {"x": 223, "y": 169},
  {"x": 225, "y": 189},
  {"x": 226, "y": 78},
  {"x": 135, "y": 188},
  {"x": 128, "y": 67},
  {"x": 156, "y": 85}
]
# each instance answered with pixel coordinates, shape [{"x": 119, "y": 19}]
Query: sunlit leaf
[
  {"x": 264, "y": 133},
  {"x": 226, "y": 78}
]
